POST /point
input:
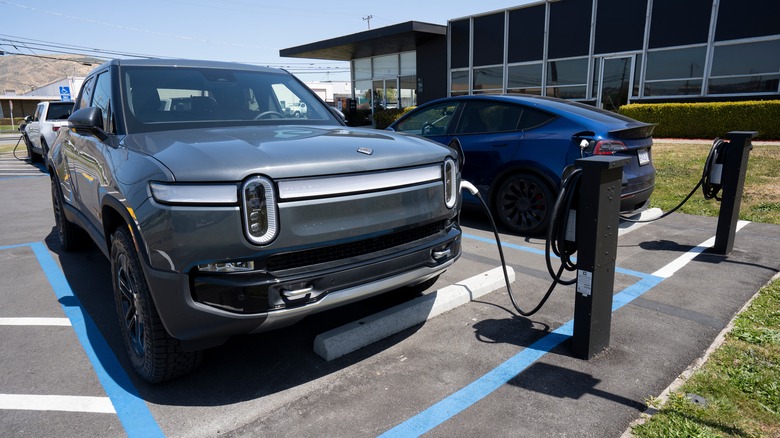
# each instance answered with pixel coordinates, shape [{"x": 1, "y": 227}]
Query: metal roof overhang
[{"x": 403, "y": 37}]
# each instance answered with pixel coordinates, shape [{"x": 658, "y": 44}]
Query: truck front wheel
[{"x": 154, "y": 354}]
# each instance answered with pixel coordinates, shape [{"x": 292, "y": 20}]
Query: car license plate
[{"x": 644, "y": 156}]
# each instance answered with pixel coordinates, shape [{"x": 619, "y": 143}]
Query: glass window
[
  {"x": 675, "y": 64},
  {"x": 489, "y": 78},
  {"x": 408, "y": 91},
  {"x": 460, "y": 81},
  {"x": 673, "y": 88},
  {"x": 569, "y": 28},
  {"x": 679, "y": 23},
  {"x": 526, "y": 34},
  {"x": 567, "y": 72},
  {"x": 524, "y": 76},
  {"x": 434, "y": 120},
  {"x": 620, "y": 25},
  {"x": 102, "y": 99},
  {"x": 363, "y": 94},
  {"x": 408, "y": 63},
  {"x": 459, "y": 43},
  {"x": 489, "y": 39},
  {"x": 161, "y": 98},
  {"x": 385, "y": 66},
  {"x": 739, "y": 19},
  {"x": 86, "y": 93},
  {"x": 576, "y": 92},
  {"x": 743, "y": 59},
  {"x": 362, "y": 68},
  {"x": 744, "y": 84}
]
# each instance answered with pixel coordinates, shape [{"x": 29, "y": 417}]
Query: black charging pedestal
[
  {"x": 732, "y": 183},
  {"x": 598, "y": 214}
]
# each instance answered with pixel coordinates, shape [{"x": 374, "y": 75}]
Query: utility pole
[{"x": 368, "y": 20}]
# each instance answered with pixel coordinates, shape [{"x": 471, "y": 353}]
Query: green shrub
[
  {"x": 708, "y": 120},
  {"x": 384, "y": 117}
]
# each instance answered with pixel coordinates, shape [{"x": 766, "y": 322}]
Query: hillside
[{"x": 20, "y": 74}]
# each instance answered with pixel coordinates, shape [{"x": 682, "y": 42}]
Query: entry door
[{"x": 615, "y": 79}]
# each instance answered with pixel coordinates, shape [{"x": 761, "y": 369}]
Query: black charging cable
[
  {"x": 21, "y": 137},
  {"x": 561, "y": 248},
  {"x": 709, "y": 188}
]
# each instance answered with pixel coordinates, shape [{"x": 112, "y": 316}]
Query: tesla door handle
[{"x": 499, "y": 145}]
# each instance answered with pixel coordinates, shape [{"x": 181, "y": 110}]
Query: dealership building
[{"x": 603, "y": 52}]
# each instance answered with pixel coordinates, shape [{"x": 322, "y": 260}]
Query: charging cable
[
  {"x": 558, "y": 225},
  {"x": 709, "y": 181}
]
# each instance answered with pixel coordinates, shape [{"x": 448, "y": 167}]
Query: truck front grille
[{"x": 299, "y": 259}]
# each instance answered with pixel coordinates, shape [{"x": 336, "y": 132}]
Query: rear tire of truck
[
  {"x": 69, "y": 234},
  {"x": 33, "y": 157},
  {"x": 153, "y": 353}
]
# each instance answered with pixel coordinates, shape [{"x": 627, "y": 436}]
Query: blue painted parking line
[
  {"x": 499, "y": 376},
  {"x": 130, "y": 407}
]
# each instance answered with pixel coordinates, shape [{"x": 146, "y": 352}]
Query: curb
[{"x": 358, "y": 334}]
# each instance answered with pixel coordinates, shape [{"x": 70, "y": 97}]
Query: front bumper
[{"x": 206, "y": 309}]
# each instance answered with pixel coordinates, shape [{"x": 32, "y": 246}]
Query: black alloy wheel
[
  {"x": 523, "y": 204},
  {"x": 153, "y": 353}
]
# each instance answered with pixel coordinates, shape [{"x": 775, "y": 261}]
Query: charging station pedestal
[
  {"x": 598, "y": 215},
  {"x": 732, "y": 183}
]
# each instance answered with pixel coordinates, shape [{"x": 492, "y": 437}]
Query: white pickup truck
[{"x": 42, "y": 128}]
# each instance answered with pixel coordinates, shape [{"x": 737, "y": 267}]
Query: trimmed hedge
[
  {"x": 384, "y": 117},
  {"x": 708, "y": 120}
]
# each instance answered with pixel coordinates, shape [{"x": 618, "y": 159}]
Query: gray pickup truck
[
  {"x": 221, "y": 215},
  {"x": 42, "y": 128}
]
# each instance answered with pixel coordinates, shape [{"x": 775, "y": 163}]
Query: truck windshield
[{"x": 177, "y": 97}]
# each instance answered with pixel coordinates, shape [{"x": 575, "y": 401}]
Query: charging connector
[{"x": 570, "y": 248}]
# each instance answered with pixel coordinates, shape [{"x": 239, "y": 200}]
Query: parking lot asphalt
[{"x": 478, "y": 369}]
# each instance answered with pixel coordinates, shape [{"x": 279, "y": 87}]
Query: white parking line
[
  {"x": 65, "y": 403},
  {"x": 63, "y": 322}
]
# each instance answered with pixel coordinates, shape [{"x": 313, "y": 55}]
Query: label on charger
[
  {"x": 584, "y": 282},
  {"x": 717, "y": 172},
  {"x": 571, "y": 226}
]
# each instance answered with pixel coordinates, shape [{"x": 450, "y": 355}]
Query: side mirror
[
  {"x": 87, "y": 118},
  {"x": 28, "y": 119}
]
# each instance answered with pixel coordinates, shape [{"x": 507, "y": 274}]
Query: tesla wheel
[
  {"x": 523, "y": 204},
  {"x": 153, "y": 353},
  {"x": 68, "y": 233}
]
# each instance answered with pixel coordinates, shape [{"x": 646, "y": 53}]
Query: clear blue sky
[{"x": 228, "y": 30}]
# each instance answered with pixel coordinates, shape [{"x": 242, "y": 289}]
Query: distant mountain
[{"x": 21, "y": 74}]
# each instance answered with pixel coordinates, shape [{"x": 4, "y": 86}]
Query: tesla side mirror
[{"x": 28, "y": 119}]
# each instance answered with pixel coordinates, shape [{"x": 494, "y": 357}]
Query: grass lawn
[
  {"x": 740, "y": 382},
  {"x": 679, "y": 167}
]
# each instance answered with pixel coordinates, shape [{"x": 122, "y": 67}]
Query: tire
[
  {"x": 153, "y": 353},
  {"x": 70, "y": 236},
  {"x": 44, "y": 150},
  {"x": 32, "y": 156},
  {"x": 523, "y": 204}
]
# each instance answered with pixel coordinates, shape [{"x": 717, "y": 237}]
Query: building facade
[
  {"x": 603, "y": 52},
  {"x": 612, "y": 52}
]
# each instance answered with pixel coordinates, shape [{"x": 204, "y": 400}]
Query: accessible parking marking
[
  {"x": 499, "y": 376},
  {"x": 123, "y": 398}
]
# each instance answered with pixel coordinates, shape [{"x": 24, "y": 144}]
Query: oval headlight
[
  {"x": 450, "y": 176},
  {"x": 258, "y": 204}
]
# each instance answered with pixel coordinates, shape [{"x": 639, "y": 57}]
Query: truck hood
[{"x": 231, "y": 154}]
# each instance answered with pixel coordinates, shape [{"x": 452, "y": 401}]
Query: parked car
[
  {"x": 221, "y": 216},
  {"x": 517, "y": 149},
  {"x": 42, "y": 128},
  {"x": 297, "y": 109}
]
